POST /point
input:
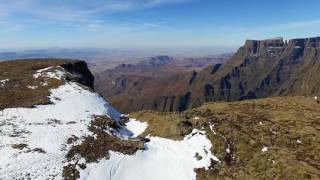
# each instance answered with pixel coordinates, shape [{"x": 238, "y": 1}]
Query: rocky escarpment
[
  {"x": 260, "y": 68},
  {"x": 265, "y": 68},
  {"x": 80, "y": 73}
]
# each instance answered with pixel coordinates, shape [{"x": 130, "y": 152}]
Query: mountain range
[{"x": 260, "y": 68}]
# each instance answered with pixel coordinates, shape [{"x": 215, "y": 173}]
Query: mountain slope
[
  {"x": 57, "y": 127},
  {"x": 258, "y": 69}
]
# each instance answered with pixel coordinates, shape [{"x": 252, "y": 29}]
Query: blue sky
[{"x": 153, "y": 23}]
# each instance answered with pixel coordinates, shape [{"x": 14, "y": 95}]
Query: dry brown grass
[
  {"x": 19, "y": 146},
  {"x": 167, "y": 125}
]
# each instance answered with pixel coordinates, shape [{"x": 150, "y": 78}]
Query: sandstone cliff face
[{"x": 269, "y": 68}]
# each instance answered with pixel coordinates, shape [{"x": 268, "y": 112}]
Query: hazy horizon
[{"x": 114, "y": 54}]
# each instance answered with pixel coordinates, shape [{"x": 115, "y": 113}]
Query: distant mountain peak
[{"x": 158, "y": 61}]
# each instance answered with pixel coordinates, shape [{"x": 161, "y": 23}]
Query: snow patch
[
  {"x": 3, "y": 82},
  {"x": 162, "y": 159},
  {"x": 211, "y": 126},
  {"x": 57, "y": 73},
  {"x": 44, "y": 83},
  {"x": 45, "y": 69},
  {"x": 272, "y": 131},
  {"x": 264, "y": 149},
  {"x": 273, "y": 161},
  {"x": 136, "y": 127},
  {"x": 32, "y": 87},
  {"x": 275, "y": 47}
]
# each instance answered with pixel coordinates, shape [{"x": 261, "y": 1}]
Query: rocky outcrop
[{"x": 80, "y": 73}]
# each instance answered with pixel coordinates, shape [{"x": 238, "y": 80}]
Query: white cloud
[
  {"x": 83, "y": 14},
  {"x": 75, "y": 10}
]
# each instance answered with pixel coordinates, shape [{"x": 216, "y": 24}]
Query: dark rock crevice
[
  {"x": 193, "y": 77},
  {"x": 184, "y": 102},
  {"x": 215, "y": 68}
]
